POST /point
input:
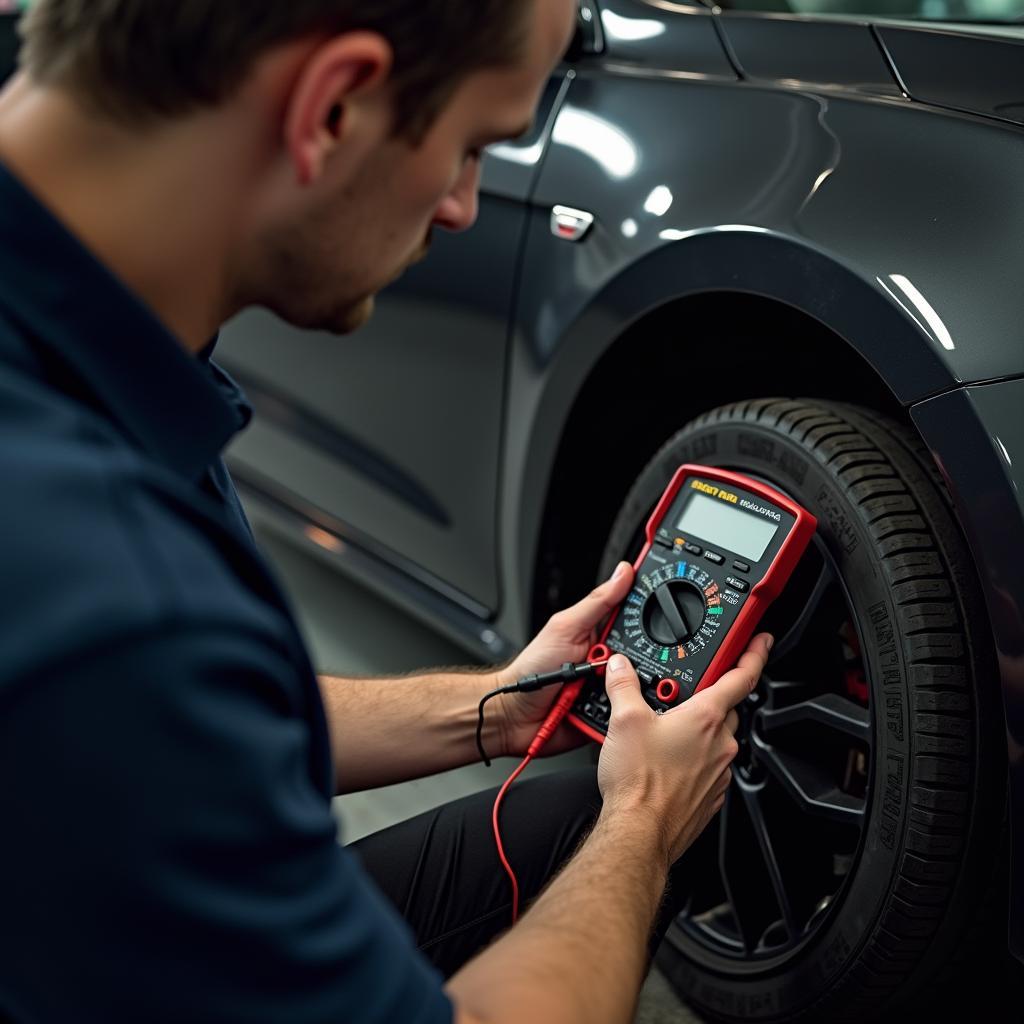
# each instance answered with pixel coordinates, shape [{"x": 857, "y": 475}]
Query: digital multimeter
[{"x": 719, "y": 549}]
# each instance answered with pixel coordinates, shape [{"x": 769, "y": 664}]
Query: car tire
[{"x": 929, "y": 802}]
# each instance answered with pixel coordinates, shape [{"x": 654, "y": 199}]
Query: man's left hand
[{"x": 568, "y": 636}]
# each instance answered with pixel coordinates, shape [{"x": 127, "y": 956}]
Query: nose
[{"x": 458, "y": 210}]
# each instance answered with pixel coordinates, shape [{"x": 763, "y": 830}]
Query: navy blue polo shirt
[{"x": 167, "y": 851}]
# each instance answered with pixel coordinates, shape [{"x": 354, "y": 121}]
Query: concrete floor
[{"x": 365, "y": 645}]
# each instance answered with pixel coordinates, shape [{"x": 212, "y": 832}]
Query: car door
[{"x": 391, "y": 437}]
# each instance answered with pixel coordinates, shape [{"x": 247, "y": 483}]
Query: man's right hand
[
  {"x": 662, "y": 778},
  {"x": 674, "y": 768}
]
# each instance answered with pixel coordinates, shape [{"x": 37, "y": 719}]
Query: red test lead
[{"x": 572, "y": 677}]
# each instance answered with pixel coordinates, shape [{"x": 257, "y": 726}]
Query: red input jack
[{"x": 668, "y": 691}]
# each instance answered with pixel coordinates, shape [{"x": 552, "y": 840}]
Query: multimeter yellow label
[{"x": 714, "y": 492}]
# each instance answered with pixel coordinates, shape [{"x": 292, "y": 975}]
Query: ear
[{"x": 339, "y": 89}]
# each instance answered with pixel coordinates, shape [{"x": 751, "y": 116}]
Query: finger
[
  {"x": 583, "y": 616},
  {"x": 722, "y": 783},
  {"x": 737, "y": 685},
  {"x": 732, "y": 721},
  {"x": 623, "y": 686}
]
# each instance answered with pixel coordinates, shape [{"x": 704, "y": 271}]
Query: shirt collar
[{"x": 101, "y": 342}]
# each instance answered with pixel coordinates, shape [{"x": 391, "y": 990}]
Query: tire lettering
[
  {"x": 757, "y": 447},
  {"x": 720, "y": 999},
  {"x": 894, "y": 716},
  {"x": 892, "y": 687},
  {"x": 892, "y": 800},
  {"x": 879, "y": 615},
  {"x": 793, "y": 466},
  {"x": 835, "y": 955},
  {"x": 765, "y": 449},
  {"x": 890, "y": 668},
  {"x": 838, "y": 520},
  {"x": 737, "y": 1003},
  {"x": 759, "y": 1004},
  {"x": 697, "y": 448}
]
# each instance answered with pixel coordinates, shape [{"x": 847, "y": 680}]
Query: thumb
[
  {"x": 583, "y": 616},
  {"x": 622, "y": 684},
  {"x": 738, "y": 683}
]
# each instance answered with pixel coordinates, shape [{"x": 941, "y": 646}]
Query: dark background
[{"x": 8, "y": 45}]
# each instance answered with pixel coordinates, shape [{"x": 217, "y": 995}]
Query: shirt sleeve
[{"x": 167, "y": 855}]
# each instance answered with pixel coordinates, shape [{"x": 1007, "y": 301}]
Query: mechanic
[{"x": 168, "y": 756}]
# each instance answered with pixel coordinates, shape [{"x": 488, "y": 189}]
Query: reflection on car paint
[
  {"x": 935, "y": 329},
  {"x": 608, "y": 146}
]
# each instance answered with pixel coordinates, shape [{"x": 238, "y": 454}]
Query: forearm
[
  {"x": 580, "y": 952},
  {"x": 385, "y": 731}
]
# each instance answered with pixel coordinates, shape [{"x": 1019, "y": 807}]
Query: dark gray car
[{"x": 787, "y": 242}]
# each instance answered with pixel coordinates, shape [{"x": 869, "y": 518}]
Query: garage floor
[{"x": 363, "y": 645}]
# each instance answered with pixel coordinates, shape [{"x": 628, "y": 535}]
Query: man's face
[{"x": 356, "y": 237}]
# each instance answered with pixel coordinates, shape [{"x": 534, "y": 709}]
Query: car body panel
[
  {"x": 963, "y": 71},
  {"x": 977, "y": 437},
  {"x": 887, "y": 187},
  {"x": 689, "y": 43},
  {"x": 333, "y": 429},
  {"x": 365, "y": 393},
  {"x": 835, "y": 55}
]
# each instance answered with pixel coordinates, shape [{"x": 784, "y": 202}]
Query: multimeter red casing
[{"x": 679, "y": 569}]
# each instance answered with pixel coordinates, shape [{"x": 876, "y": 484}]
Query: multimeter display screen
[{"x": 743, "y": 532}]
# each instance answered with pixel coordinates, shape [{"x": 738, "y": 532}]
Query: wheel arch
[{"x": 833, "y": 335}]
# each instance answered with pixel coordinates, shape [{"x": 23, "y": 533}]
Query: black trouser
[{"x": 441, "y": 868}]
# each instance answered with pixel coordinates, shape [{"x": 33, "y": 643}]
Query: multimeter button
[
  {"x": 664, "y": 542},
  {"x": 694, "y": 549},
  {"x": 664, "y": 537},
  {"x": 714, "y": 556},
  {"x": 741, "y": 585},
  {"x": 668, "y": 691},
  {"x": 741, "y": 566}
]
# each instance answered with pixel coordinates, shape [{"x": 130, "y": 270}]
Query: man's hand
[
  {"x": 568, "y": 636},
  {"x": 674, "y": 768},
  {"x": 662, "y": 778}
]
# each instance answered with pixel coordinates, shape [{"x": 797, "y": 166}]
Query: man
[{"x": 167, "y": 850}]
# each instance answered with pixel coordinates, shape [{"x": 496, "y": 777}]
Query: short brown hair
[{"x": 142, "y": 60}]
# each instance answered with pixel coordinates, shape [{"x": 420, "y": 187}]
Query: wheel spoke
[
  {"x": 752, "y": 800},
  {"x": 728, "y": 822},
  {"x": 831, "y": 710},
  {"x": 795, "y": 634},
  {"x": 814, "y": 793}
]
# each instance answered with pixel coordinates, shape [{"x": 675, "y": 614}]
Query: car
[{"x": 783, "y": 239}]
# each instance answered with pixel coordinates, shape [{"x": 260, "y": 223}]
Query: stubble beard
[
  {"x": 352, "y": 317},
  {"x": 309, "y": 296}
]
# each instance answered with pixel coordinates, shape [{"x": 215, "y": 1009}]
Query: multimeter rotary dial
[{"x": 672, "y": 613}]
